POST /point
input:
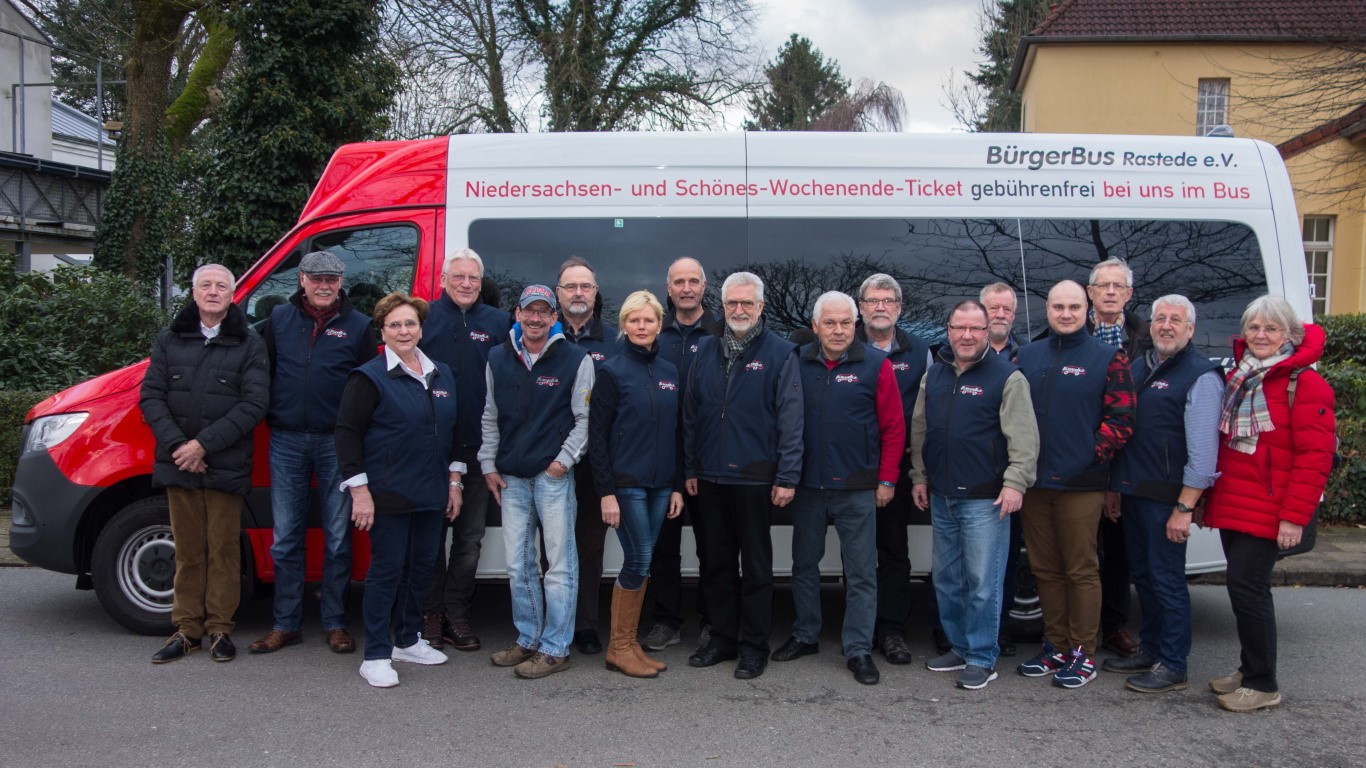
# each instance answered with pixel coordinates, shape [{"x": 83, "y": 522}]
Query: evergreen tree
[
  {"x": 985, "y": 103},
  {"x": 310, "y": 78},
  {"x": 801, "y": 87}
]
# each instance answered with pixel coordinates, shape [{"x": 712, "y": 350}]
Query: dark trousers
[
  {"x": 736, "y": 529},
  {"x": 1159, "y": 567},
  {"x": 666, "y": 568},
  {"x": 894, "y": 563},
  {"x": 402, "y": 552},
  {"x": 590, "y": 536},
  {"x": 1114, "y": 576},
  {"x": 453, "y": 577},
  {"x": 1250, "y": 560}
]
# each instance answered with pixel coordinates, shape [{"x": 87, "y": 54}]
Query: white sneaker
[
  {"x": 379, "y": 673},
  {"x": 420, "y": 652}
]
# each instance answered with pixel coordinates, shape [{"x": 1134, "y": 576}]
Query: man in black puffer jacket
[{"x": 206, "y": 389}]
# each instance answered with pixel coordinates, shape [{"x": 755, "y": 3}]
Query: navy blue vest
[
  {"x": 679, "y": 347},
  {"x": 643, "y": 442},
  {"x": 598, "y": 339},
  {"x": 841, "y": 441},
  {"x": 308, "y": 378},
  {"x": 462, "y": 339},
  {"x": 735, "y": 435},
  {"x": 534, "y": 406},
  {"x": 1152, "y": 462},
  {"x": 909, "y": 363},
  {"x": 965, "y": 451},
  {"x": 408, "y": 445},
  {"x": 1067, "y": 378}
]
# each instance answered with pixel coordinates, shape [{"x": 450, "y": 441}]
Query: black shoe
[
  {"x": 710, "y": 656},
  {"x": 864, "y": 670},
  {"x": 1135, "y": 664},
  {"x": 179, "y": 645},
  {"x": 751, "y": 667},
  {"x": 894, "y": 649},
  {"x": 221, "y": 647},
  {"x": 1157, "y": 680},
  {"x": 794, "y": 649},
  {"x": 1006, "y": 643},
  {"x": 587, "y": 641},
  {"x": 941, "y": 641}
]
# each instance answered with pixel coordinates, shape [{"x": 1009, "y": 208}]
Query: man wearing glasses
[
  {"x": 581, "y": 320},
  {"x": 535, "y": 428},
  {"x": 974, "y": 444},
  {"x": 459, "y": 331},
  {"x": 1111, "y": 287},
  {"x": 879, "y": 300},
  {"x": 742, "y": 445}
]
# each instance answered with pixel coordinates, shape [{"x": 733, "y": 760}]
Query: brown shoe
[
  {"x": 1121, "y": 642},
  {"x": 431, "y": 628},
  {"x": 512, "y": 655},
  {"x": 339, "y": 640},
  {"x": 540, "y": 665},
  {"x": 275, "y": 640},
  {"x": 461, "y": 637}
]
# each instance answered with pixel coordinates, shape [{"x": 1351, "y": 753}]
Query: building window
[
  {"x": 1318, "y": 259},
  {"x": 1211, "y": 106}
]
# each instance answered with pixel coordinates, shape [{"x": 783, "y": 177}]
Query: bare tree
[
  {"x": 981, "y": 101},
  {"x": 869, "y": 107}
]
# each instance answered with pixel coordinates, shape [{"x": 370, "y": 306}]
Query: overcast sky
[{"x": 912, "y": 45}]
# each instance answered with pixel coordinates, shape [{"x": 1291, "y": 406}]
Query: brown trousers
[
  {"x": 207, "y": 526},
  {"x": 1060, "y": 536}
]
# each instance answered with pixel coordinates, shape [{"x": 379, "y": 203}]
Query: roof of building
[
  {"x": 71, "y": 123},
  {"x": 1351, "y": 126},
  {"x": 1246, "y": 19}
]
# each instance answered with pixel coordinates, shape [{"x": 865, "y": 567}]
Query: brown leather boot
[
  {"x": 625, "y": 619},
  {"x": 635, "y": 639}
]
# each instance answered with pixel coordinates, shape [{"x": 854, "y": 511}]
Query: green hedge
[
  {"x": 1345, "y": 498},
  {"x": 1346, "y": 338},
  {"x": 13, "y": 406}
]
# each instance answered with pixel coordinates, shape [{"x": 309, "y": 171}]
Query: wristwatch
[{"x": 1180, "y": 506}]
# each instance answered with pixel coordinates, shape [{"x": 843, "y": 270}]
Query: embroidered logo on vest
[
  {"x": 479, "y": 336},
  {"x": 1160, "y": 384},
  {"x": 1073, "y": 370},
  {"x": 755, "y": 365},
  {"x": 338, "y": 332},
  {"x": 971, "y": 389},
  {"x": 901, "y": 366},
  {"x": 440, "y": 393},
  {"x": 667, "y": 386},
  {"x": 547, "y": 381},
  {"x": 847, "y": 378},
  {"x": 597, "y": 356}
]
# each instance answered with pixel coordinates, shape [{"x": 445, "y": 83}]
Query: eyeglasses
[
  {"x": 324, "y": 279},
  {"x": 399, "y": 325},
  {"x": 1111, "y": 286},
  {"x": 538, "y": 312},
  {"x": 462, "y": 278},
  {"x": 1270, "y": 330},
  {"x": 577, "y": 287},
  {"x": 968, "y": 328},
  {"x": 748, "y": 305},
  {"x": 1165, "y": 320},
  {"x": 880, "y": 302}
]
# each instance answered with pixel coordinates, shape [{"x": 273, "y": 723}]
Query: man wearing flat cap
[
  {"x": 314, "y": 342},
  {"x": 535, "y": 429}
]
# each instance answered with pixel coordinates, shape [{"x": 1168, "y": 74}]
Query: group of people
[{"x": 1099, "y": 444}]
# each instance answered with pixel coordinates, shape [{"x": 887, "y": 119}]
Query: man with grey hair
[
  {"x": 742, "y": 446},
  {"x": 1157, "y": 480},
  {"x": 879, "y": 301},
  {"x": 459, "y": 331},
  {"x": 1000, "y": 302},
  {"x": 314, "y": 342},
  {"x": 853, "y": 439},
  {"x": 1110, "y": 288},
  {"x": 206, "y": 388}
]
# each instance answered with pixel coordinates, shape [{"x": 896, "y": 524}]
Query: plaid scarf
[
  {"x": 319, "y": 316},
  {"x": 734, "y": 347},
  {"x": 1243, "y": 414},
  {"x": 1110, "y": 334}
]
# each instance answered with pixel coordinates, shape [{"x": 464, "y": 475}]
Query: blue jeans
[
  {"x": 970, "y": 547},
  {"x": 854, "y": 514},
  {"x": 294, "y": 458},
  {"x": 402, "y": 553},
  {"x": 1159, "y": 570},
  {"x": 642, "y": 515},
  {"x": 544, "y": 620}
]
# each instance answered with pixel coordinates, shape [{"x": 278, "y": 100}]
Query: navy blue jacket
[
  {"x": 598, "y": 339},
  {"x": 633, "y": 421},
  {"x": 744, "y": 426},
  {"x": 308, "y": 376},
  {"x": 679, "y": 346},
  {"x": 1152, "y": 463},
  {"x": 841, "y": 441},
  {"x": 909, "y": 363},
  {"x": 462, "y": 338},
  {"x": 535, "y": 412},
  {"x": 1067, "y": 380},
  {"x": 965, "y": 451}
]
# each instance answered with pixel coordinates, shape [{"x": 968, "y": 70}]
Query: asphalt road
[{"x": 77, "y": 690}]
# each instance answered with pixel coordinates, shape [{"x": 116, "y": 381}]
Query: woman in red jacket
[{"x": 1275, "y": 452}]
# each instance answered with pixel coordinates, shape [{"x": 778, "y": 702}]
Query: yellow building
[{"x": 1289, "y": 72}]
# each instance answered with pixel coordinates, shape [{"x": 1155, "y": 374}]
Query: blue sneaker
[
  {"x": 1079, "y": 671},
  {"x": 1048, "y": 661}
]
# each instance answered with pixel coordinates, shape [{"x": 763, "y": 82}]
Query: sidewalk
[{"x": 1338, "y": 560}]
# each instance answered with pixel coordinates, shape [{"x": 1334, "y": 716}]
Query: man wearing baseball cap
[
  {"x": 535, "y": 428},
  {"x": 314, "y": 342}
]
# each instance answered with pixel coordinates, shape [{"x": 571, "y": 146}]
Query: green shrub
[
  {"x": 13, "y": 406},
  {"x": 64, "y": 326},
  {"x": 1345, "y": 498},
  {"x": 1346, "y": 338}
]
